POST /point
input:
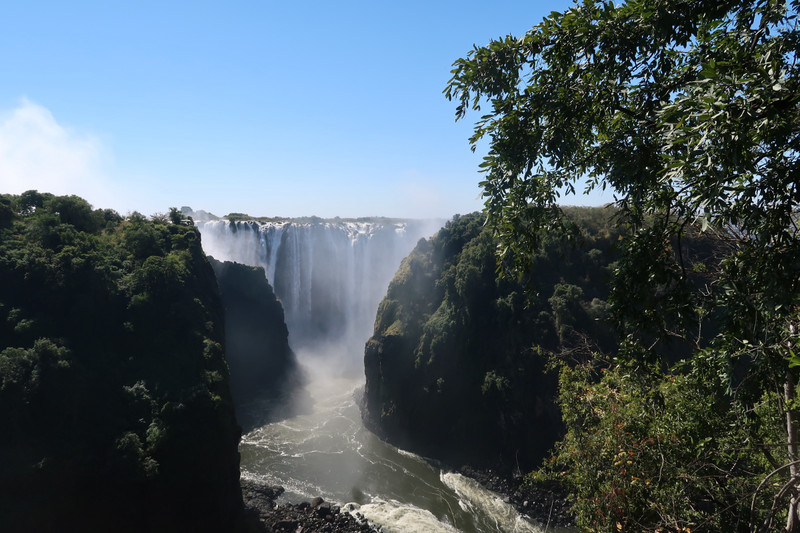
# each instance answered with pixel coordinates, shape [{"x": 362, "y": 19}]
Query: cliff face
[
  {"x": 263, "y": 368},
  {"x": 115, "y": 405},
  {"x": 456, "y": 366}
]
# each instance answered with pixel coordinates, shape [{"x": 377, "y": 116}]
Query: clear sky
[{"x": 268, "y": 108}]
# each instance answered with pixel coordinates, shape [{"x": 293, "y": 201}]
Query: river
[{"x": 327, "y": 452}]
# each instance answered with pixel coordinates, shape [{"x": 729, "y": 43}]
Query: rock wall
[{"x": 265, "y": 374}]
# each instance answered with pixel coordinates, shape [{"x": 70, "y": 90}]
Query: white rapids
[{"x": 329, "y": 453}]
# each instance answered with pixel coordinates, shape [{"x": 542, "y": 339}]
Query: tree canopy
[{"x": 688, "y": 111}]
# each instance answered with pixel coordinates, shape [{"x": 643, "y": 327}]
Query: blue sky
[{"x": 273, "y": 109}]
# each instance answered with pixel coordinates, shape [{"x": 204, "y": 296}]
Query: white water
[{"x": 329, "y": 453}]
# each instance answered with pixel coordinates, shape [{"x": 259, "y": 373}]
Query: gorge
[
  {"x": 330, "y": 276},
  {"x": 131, "y": 361}
]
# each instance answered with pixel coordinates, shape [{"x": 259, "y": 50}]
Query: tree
[
  {"x": 175, "y": 216},
  {"x": 30, "y": 200},
  {"x": 688, "y": 110}
]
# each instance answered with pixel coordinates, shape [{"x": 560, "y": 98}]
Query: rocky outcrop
[
  {"x": 263, "y": 368},
  {"x": 316, "y": 515},
  {"x": 544, "y": 502}
]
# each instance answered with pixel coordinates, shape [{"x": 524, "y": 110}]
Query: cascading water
[{"x": 330, "y": 277}]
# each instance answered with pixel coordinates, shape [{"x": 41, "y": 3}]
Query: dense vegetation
[
  {"x": 688, "y": 110},
  {"x": 456, "y": 367},
  {"x": 114, "y": 401},
  {"x": 263, "y": 368}
]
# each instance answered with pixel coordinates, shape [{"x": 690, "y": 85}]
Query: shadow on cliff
[{"x": 267, "y": 382}]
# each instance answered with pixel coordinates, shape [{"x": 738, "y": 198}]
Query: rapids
[{"x": 328, "y": 452}]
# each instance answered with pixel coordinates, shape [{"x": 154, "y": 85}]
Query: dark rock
[
  {"x": 546, "y": 503},
  {"x": 287, "y": 525},
  {"x": 264, "y": 371},
  {"x": 316, "y": 515},
  {"x": 324, "y": 509},
  {"x": 446, "y": 377}
]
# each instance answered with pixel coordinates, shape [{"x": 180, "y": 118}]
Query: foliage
[
  {"x": 111, "y": 394},
  {"x": 647, "y": 449},
  {"x": 689, "y": 112}
]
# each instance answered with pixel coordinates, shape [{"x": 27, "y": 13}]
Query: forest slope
[{"x": 114, "y": 394}]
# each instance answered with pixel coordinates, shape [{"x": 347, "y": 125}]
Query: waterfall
[{"x": 330, "y": 275}]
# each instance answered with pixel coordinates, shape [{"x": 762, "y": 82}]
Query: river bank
[
  {"x": 264, "y": 514},
  {"x": 544, "y": 503}
]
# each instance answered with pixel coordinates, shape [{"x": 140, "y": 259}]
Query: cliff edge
[{"x": 266, "y": 379}]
